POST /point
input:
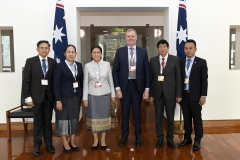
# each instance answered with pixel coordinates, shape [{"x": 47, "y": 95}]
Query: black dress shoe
[
  {"x": 185, "y": 142},
  {"x": 50, "y": 148},
  {"x": 36, "y": 151},
  {"x": 74, "y": 148},
  {"x": 196, "y": 146},
  {"x": 138, "y": 142},
  {"x": 159, "y": 143},
  {"x": 94, "y": 147},
  {"x": 122, "y": 142},
  {"x": 69, "y": 151},
  {"x": 171, "y": 144},
  {"x": 103, "y": 147}
]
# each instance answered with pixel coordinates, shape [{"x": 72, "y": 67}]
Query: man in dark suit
[
  {"x": 131, "y": 76},
  {"x": 37, "y": 88},
  {"x": 195, "y": 84},
  {"x": 166, "y": 89}
]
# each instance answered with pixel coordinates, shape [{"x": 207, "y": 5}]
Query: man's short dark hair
[
  {"x": 191, "y": 41},
  {"x": 43, "y": 41},
  {"x": 162, "y": 41}
]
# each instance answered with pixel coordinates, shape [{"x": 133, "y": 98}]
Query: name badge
[
  {"x": 75, "y": 85},
  {"x": 44, "y": 82},
  {"x": 132, "y": 68},
  {"x": 161, "y": 78},
  {"x": 186, "y": 81},
  {"x": 98, "y": 85}
]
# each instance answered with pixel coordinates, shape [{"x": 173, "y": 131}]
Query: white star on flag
[
  {"x": 182, "y": 35},
  {"x": 58, "y": 60},
  {"x": 57, "y": 34}
]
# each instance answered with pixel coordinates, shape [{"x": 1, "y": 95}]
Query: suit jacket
[
  {"x": 33, "y": 75},
  {"x": 63, "y": 81},
  {"x": 105, "y": 77},
  {"x": 198, "y": 82},
  {"x": 121, "y": 69},
  {"x": 171, "y": 86}
]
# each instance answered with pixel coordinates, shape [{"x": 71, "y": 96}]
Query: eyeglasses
[
  {"x": 43, "y": 48},
  {"x": 96, "y": 52}
]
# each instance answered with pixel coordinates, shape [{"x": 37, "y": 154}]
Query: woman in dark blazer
[{"x": 68, "y": 84}]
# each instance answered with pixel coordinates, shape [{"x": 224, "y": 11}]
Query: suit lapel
[
  {"x": 139, "y": 56},
  {"x": 159, "y": 67},
  {"x": 168, "y": 62},
  {"x": 49, "y": 65},
  {"x": 126, "y": 56},
  {"x": 67, "y": 68},
  {"x": 39, "y": 66},
  {"x": 194, "y": 65},
  {"x": 183, "y": 67}
]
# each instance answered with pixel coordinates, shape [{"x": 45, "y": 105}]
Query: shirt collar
[
  {"x": 95, "y": 63},
  {"x": 70, "y": 63},
  {"x": 41, "y": 58},
  {"x": 166, "y": 57},
  {"x": 192, "y": 59},
  {"x": 134, "y": 47}
]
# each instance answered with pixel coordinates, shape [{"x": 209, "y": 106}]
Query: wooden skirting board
[
  {"x": 212, "y": 126},
  {"x": 19, "y": 126},
  {"x": 206, "y": 124}
]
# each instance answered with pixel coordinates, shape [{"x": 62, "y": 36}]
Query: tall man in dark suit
[
  {"x": 166, "y": 89},
  {"x": 131, "y": 76},
  {"x": 38, "y": 93},
  {"x": 195, "y": 84}
]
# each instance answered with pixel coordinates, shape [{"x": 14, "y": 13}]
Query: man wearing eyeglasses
[{"x": 37, "y": 89}]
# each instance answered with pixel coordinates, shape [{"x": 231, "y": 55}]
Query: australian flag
[
  {"x": 60, "y": 40},
  {"x": 182, "y": 32}
]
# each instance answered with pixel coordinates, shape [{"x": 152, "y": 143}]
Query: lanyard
[
  {"x": 95, "y": 69},
  {"x": 76, "y": 72},
  {"x": 187, "y": 71},
  {"x": 133, "y": 58}
]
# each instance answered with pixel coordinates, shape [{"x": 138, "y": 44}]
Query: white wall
[
  {"x": 121, "y": 20},
  {"x": 208, "y": 24}
]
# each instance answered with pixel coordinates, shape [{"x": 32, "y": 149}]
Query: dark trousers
[
  {"x": 42, "y": 117},
  {"x": 170, "y": 105},
  {"x": 131, "y": 96},
  {"x": 192, "y": 110}
]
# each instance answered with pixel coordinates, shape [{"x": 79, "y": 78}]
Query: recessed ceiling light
[{"x": 105, "y": 31}]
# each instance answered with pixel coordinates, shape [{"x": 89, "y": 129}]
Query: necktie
[
  {"x": 187, "y": 75},
  {"x": 44, "y": 66},
  {"x": 163, "y": 63},
  {"x": 132, "y": 63},
  {"x": 188, "y": 63}
]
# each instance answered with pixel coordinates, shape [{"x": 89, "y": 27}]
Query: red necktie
[{"x": 162, "y": 65}]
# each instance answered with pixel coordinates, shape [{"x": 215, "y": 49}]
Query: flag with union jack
[
  {"x": 182, "y": 31},
  {"x": 60, "y": 40}
]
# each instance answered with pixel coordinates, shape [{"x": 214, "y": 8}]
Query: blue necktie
[
  {"x": 44, "y": 66},
  {"x": 188, "y": 63}
]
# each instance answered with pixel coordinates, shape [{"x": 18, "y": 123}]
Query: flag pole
[
  {"x": 182, "y": 36},
  {"x": 180, "y": 129}
]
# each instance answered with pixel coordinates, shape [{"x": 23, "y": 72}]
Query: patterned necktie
[
  {"x": 162, "y": 64},
  {"x": 44, "y": 66},
  {"x": 132, "y": 63},
  {"x": 188, "y": 63},
  {"x": 186, "y": 86}
]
